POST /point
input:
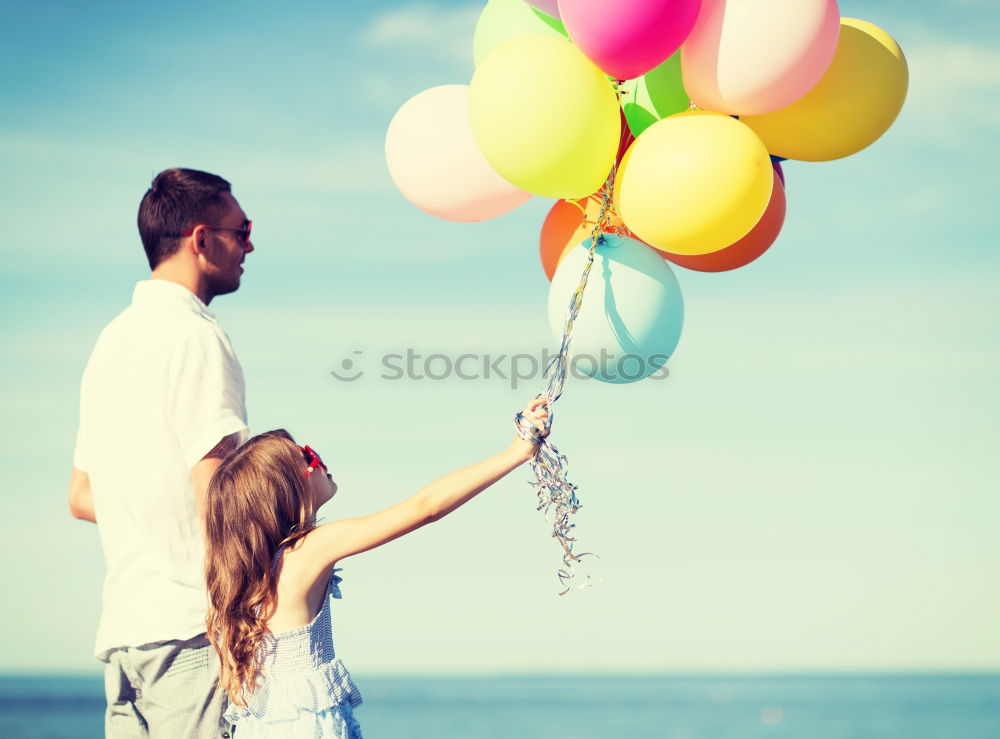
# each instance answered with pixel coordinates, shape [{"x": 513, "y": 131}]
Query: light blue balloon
[{"x": 632, "y": 312}]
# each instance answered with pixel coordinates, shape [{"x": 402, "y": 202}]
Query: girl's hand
[{"x": 535, "y": 413}]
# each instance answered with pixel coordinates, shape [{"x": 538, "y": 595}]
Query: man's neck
[{"x": 192, "y": 281}]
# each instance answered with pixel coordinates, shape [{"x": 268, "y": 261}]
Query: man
[{"x": 161, "y": 404}]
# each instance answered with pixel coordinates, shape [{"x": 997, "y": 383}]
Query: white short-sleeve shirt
[{"x": 161, "y": 389}]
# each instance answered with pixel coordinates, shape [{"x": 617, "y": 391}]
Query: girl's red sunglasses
[{"x": 312, "y": 458}]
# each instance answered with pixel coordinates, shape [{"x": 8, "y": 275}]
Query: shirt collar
[{"x": 167, "y": 292}]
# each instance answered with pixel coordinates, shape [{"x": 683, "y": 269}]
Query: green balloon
[
  {"x": 503, "y": 19},
  {"x": 657, "y": 94}
]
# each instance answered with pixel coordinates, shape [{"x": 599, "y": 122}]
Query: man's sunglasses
[
  {"x": 312, "y": 458},
  {"x": 245, "y": 231}
]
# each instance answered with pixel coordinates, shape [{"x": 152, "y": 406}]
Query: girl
[{"x": 271, "y": 577}]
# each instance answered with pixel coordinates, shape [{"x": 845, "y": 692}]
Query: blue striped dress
[{"x": 304, "y": 691}]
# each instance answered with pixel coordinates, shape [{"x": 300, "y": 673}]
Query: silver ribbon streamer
[{"x": 556, "y": 494}]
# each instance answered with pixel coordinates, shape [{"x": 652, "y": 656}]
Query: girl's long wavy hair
[{"x": 258, "y": 500}]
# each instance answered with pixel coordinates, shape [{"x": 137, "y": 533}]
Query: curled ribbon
[{"x": 556, "y": 494}]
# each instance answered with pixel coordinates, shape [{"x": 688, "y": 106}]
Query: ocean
[{"x": 606, "y": 707}]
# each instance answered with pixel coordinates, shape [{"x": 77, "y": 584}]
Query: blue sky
[{"x": 813, "y": 488}]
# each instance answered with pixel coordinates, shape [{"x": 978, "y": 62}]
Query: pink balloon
[
  {"x": 435, "y": 162},
  {"x": 748, "y": 57},
  {"x": 549, "y": 7},
  {"x": 627, "y": 38}
]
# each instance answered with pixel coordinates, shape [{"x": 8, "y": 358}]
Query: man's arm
[
  {"x": 201, "y": 473},
  {"x": 81, "y": 498}
]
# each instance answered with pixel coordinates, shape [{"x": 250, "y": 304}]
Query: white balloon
[
  {"x": 435, "y": 162},
  {"x": 749, "y": 57}
]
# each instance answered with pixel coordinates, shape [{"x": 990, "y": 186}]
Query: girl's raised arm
[{"x": 327, "y": 544}]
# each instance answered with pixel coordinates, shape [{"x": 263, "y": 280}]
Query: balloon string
[
  {"x": 557, "y": 497},
  {"x": 580, "y": 207}
]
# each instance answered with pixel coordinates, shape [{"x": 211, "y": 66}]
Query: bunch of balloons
[
  {"x": 659, "y": 126},
  {"x": 660, "y": 123}
]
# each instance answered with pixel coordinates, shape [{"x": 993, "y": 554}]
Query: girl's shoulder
[
  {"x": 301, "y": 588},
  {"x": 304, "y": 562},
  {"x": 310, "y": 560}
]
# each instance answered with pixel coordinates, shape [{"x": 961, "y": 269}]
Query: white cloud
[
  {"x": 960, "y": 64},
  {"x": 443, "y": 33},
  {"x": 954, "y": 87},
  {"x": 348, "y": 166},
  {"x": 352, "y": 165}
]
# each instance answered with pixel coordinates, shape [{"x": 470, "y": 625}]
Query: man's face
[{"x": 225, "y": 247}]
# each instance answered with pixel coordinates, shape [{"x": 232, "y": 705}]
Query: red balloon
[
  {"x": 746, "y": 249},
  {"x": 625, "y": 140}
]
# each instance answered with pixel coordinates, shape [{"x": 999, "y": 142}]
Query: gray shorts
[{"x": 165, "y": 691}]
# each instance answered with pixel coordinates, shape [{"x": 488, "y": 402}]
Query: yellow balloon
[
  {"x": 857, "y": 100},
  {"x": 694, "y": 183},
  {"x": 545, "y": 116}
]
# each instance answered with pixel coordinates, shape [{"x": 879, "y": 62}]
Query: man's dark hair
[{"x": 177, "y": 200}]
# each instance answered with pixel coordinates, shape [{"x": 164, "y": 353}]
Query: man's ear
[{"x": 198, "y": 240}]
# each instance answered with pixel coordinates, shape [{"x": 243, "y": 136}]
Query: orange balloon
[
  {"x": 570, "y": 222},
  {"x": 746, "y": 249}
]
